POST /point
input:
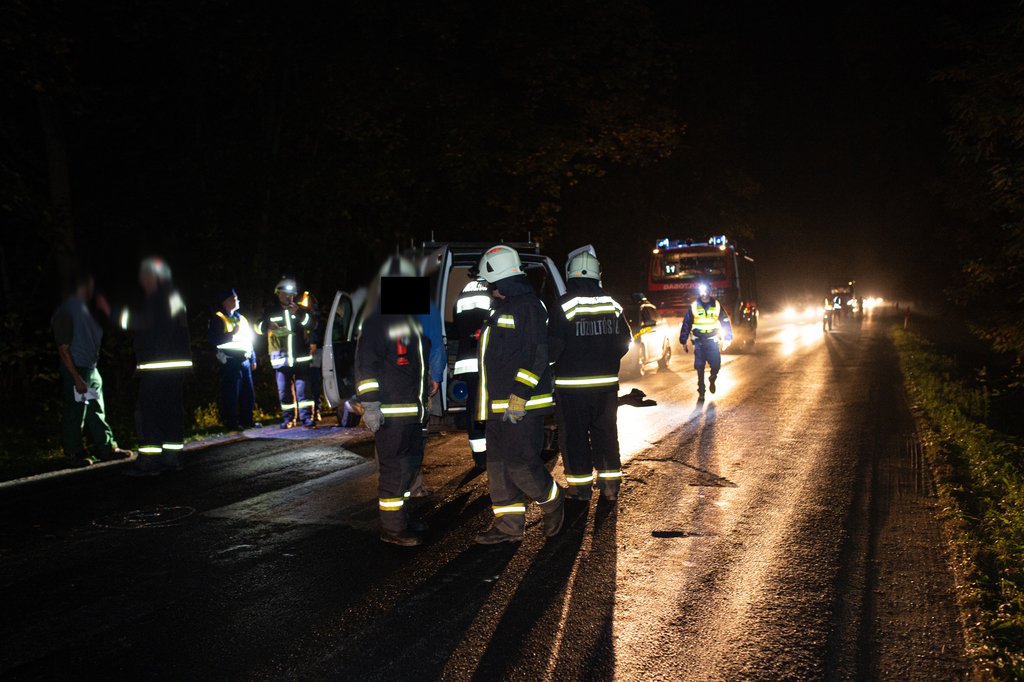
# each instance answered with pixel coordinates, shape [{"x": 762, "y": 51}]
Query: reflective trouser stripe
[
  {"x": 554, "y": 493},
  {"x": 306, "y": 403},
  {"x": 510, "y": 509},
  {"x": 171, "y": 364},
  {"x": 478, "y": 444},
  {"x": 391, "y": 503},
  {"x": 150, "y": 449},
  {"x": 614, "y": 473},
  {"x": 579, "y": 480},
  {"x": 279, "y": 362},
  {"x": 174, "y": 446},
  {"x": 308, "y": 358},
  {"x": 400, "y": 410},
  {"x": 290, "y": 406},
  {"x": 587, "y": 381}
]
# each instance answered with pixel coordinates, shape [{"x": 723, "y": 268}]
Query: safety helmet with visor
[
  {"x": 500, "y": 262},
  {"x": 584, "y": 265}
]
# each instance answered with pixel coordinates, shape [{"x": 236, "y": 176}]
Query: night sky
[{"x": 812, "y": 135}]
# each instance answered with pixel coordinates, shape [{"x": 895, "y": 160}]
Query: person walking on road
[
  {"x": 515, "y": 394},
  {"x": 708, "y": 322},
  {"x": 164, "y": 356},
  {"x": 588, "y": 337},
  {"x": 393, "y": 382},
  {"x": 78, "y": 336},
  {"x": 231, "y": 336}
]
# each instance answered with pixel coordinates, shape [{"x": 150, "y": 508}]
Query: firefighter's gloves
[
  {"x": 686, "y": 348},
  {"x": 516, "y": 409},
  {"x": 373, "y": 417},
  {"x": 222, "y": 358}
]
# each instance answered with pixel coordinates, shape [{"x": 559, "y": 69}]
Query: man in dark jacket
[
  {"x": 514, "y": 395},
  {"x": 164, "y": 357},
  {"x": 393, "y": 382},
  {"x": 588, "y": 338},
  {"x": 287, "y": 325},
  {"x": 469, "y": 313}
]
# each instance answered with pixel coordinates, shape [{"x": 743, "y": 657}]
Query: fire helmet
[
  {"x": 500, "y": 262},
  {"x": 584, "y": 265},
  {"x": 287, "y": 286}
]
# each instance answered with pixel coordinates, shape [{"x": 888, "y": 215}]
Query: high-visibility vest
[{"x": 705, "y": 321}]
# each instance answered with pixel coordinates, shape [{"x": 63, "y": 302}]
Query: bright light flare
[{"x": 789, "y": 312}]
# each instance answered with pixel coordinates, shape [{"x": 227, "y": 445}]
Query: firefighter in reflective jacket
[
  {"x": 588, "y": 338},
  {"x": 231, "y": 336},
  {"x": 469, "y": 313},
  {"x": 708, "y": 322},
  {"x": 287, "y": 327},
  {"x": 164, "y": 356},
  {"x": 515, "y": 393},
  {"x": 393, "y": 382}
]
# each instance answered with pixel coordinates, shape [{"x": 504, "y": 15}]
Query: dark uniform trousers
[
  {"x": 292, "y": 405},
  {"x": 588, "y": 420},
  {"x": 399, "y": 456},
  {"x": 706, "y": 351},
  {"x": 477, "y": 429},
  {"x": 514, "y": 467},
  {"x": 236, "y": 377},
  {"x": 160, "y": 420}
]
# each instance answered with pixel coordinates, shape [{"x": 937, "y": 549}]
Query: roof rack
[{"x": 483, "y": 246}]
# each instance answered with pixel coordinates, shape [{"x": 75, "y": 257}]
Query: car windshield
[{"x": 675, "y": 267}]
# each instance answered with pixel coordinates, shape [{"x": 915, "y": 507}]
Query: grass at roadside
[{"x": 980, "y": 474}]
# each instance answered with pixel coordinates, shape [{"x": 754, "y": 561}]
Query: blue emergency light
[{"x": 718, "y": 241}]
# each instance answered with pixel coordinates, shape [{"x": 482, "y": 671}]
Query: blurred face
[
  {"x": 285, "y": 297},
  {"x": 230, "y": 303},
  {"x": 149, "y": 282},
  {"x": 705, "y": 296}
]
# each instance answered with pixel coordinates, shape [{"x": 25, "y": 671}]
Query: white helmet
[
  {"x": 157, "y": 267},
  {"x": 500, "y": 262},
  {"x": 584, "y": 265}
]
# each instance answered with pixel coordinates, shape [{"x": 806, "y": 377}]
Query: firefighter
[
  {"x": 164, "y": 356},
  {"x": 514, "y": 395},
  {"x": 708, "y": 322},
  {"x": 287, "y": 327},
  {"x": 469, "y": 313},
  {"x": 828, "y": 318},
  {"x": 231, "y": 336},
  {"x": 393, "y": 382},
  {"x": 588, "y": 337}
]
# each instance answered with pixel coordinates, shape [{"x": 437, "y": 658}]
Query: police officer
[
  {"x": 164, "y": 356},
  {"x": 708, "y": 321},
  {"x": 588, "y": 338},
  {"x": 287, "y": 325},
  {"x": 829, "y": 317},
  {"x": 393, "y": 382},
  {"x": 515, "y": 394},
  {"x": 469, "y": 313},
  {"x": 231, "y": 336}
]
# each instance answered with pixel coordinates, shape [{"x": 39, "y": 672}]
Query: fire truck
[{"x": 679, "y": 266}]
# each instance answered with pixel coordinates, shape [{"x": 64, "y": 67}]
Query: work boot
[
  {"x": 493, "y": 536},
  {"x": 405, "y": 538},
  {"x": 287, "y": 424},
  {"x": 309, "y": 423},
  {"x": 711, "y": 383},
  {"x": 610, "y": 494},
  {"x": 78, "y": 461},
  {"x": 114, "y": 455},
  {"x": 583, "y": 494},
  {"x": 554, "y": 519}
]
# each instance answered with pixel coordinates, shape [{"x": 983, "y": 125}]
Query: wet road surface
[{"x": 783, "y": 529}]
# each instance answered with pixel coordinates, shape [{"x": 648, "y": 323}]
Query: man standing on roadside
[
  {"x": 231, "y": 336},
  {"x": 78, "y": 337}
]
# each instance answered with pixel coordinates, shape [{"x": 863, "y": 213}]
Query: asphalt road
[{"x": 782, "y": 530}]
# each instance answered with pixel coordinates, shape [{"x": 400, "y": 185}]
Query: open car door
[{"x": 340, "y": 338}]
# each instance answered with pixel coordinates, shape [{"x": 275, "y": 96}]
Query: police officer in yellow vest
[
  {"x": 708, "y": 322},
  {"x": 231, "y": 336}
]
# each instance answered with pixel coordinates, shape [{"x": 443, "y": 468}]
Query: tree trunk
[{"x": 60, "y": 192}]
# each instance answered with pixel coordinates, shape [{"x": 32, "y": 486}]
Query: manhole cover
[{"x": 146, "y": 518}]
